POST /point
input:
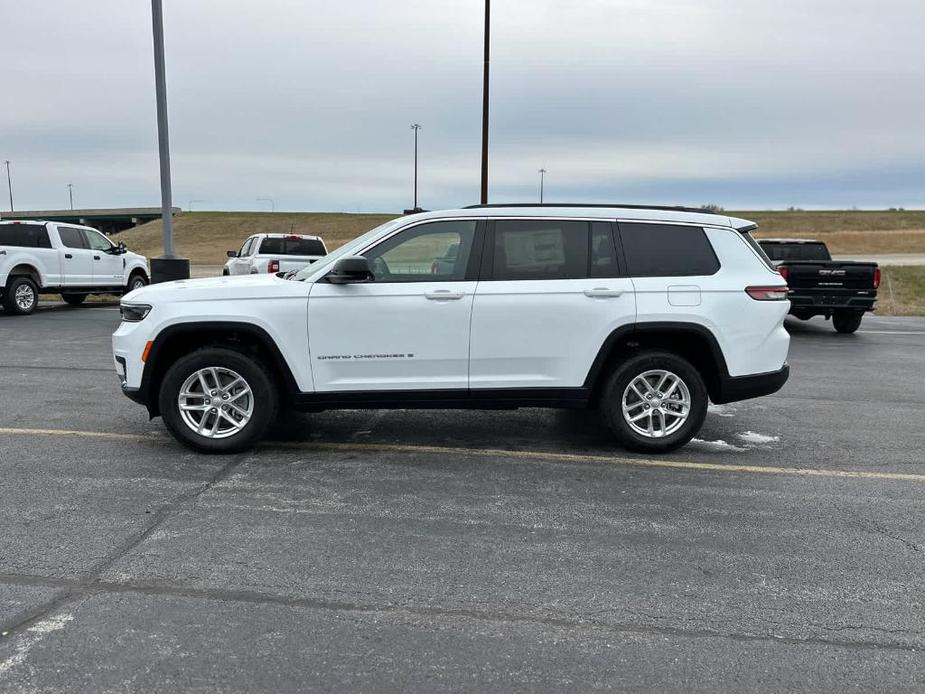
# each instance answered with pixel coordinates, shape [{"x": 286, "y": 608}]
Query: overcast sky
[{"x": 742, "y": 103}]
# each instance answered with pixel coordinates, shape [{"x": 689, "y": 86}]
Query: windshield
[{"x": 320, "y": 266}]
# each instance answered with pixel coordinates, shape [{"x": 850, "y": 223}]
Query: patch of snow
[
  {"x": 721, "y": 410},
  {"x": 718, "y": 445},
  {"x": 757, "y": 439}
]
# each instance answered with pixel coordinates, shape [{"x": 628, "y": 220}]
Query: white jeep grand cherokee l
[{"x": 644, "y": 313}]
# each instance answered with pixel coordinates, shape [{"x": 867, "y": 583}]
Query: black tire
[
  {"x": 74, "y": 299},
  {"x": 256, "y": 377},
  {"x": 611, "y": 402},
  {"x": 802, "y": 315},
  {"x": 847, "y": 321},
  {"x": 136, "y": 281},
  {"x": 225, "y": 273},
  {"x": 21, "y": 296}
]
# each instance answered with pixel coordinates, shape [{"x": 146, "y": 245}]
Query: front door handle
[
  {"x": 603, "y": 293},
  {"x": 68, "y": 256},
  {"x": 444, "y": 295},
  {"x": 96, "y": 257}
]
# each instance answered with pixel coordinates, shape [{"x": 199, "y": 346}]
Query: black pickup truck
[{"x": 820, "y": 286}]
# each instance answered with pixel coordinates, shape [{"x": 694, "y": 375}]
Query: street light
[
  {"x": 9, "y": 182},
  {"x": 542, "y": 179},
  {"x": 70, "y": 194},
  {"x": 415, "y": 127},
  {"x": 484, "y": 195},
  {"x": 269, "y": 200},
  {"x": 168, "y": 266}
]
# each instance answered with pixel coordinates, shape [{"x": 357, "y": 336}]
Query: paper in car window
[{"x": 534, "y": 249}]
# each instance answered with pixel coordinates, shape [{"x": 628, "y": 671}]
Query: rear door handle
[
  {"x": 96, "y": 257},
  {"x": 603, "y": 292},
  {"x": 68, "y": 256},
  {"x": 444, "y": 295}
]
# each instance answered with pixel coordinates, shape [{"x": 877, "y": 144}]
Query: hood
[{"x": 219, "y": 288}]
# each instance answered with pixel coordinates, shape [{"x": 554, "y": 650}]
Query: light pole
[
  {"x": 415, "y": 127},
  {"x": 70, "y": 194},
  {"x": 9, "y": 182},
  {"x": 542, "y": 180},
  {"x": 484, "y": 194},
  {"x": 168, "y": 266},
  {"x": 269, "y": 200}
]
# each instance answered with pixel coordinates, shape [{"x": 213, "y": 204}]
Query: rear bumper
[
  {"x": 826, "y": 302},
  {"x": 734, "y": 388}
]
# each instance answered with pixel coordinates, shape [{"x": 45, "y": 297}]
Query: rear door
[
  {"x": 409, "y": 328},
  {"x": 108, "y": 269},
  {"x": 24, "y": 242},
  {"x": 550, "y": 293},
  {"x": 77, "y": 265}
]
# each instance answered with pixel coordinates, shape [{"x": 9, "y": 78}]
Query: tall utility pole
[
  {"x": 415, "y": 127},
  {"x": 9, "y": 182},
  {"x": 269, "y": 200},
  {"x": 484, "y": 196},
  {"x": 168, "y": 266},
  {"x": 70, "y": 194},
  {"x": 542, "y": 180}
]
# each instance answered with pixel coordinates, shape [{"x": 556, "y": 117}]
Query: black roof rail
[{"x": 667, "y": 208}]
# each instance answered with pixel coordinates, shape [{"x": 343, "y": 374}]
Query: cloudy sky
[{"x": 743, "y": 103}]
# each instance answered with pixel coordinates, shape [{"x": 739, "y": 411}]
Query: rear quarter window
[
  {"x": 667, "y": 250},
  {"x": 24, "y": 235}
]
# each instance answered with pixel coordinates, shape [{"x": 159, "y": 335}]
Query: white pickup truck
[
  {"x": 272, "y": 253},
  {"x": 51, "y": 257}
]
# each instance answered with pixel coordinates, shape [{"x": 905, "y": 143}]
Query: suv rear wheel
[
  {"x": 218, "y": 400},
  {"x": 654, "y": 402}
]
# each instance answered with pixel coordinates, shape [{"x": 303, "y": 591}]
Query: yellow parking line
[{"x": 525, "y": 455}]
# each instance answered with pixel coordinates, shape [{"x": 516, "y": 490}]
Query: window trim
[{"x": 703, "y": 228}]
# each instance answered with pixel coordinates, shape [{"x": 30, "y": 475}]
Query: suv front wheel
[
  {"x": 654, "y": 402},
  {"x": 218, "y": 400}
]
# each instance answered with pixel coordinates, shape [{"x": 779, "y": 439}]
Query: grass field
[
  {"x": 204, "y": 237},
  {"x": 902, "y": 291}
]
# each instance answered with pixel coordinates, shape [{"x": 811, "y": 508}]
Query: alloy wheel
[
  {"x": 24, "y": 297},
  {"x": 656, "y": 403},
  {"x": 216, "y": 402}
]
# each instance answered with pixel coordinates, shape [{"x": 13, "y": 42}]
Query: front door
[
  {"x": 551, "y": 293},
  {"x": 108, "y": 269},
  {"x": 408, "y": 329}
]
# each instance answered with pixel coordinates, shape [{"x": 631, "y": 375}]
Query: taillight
[
  {"x": 767, "y": 293},
  {"x": 273, "y": 266},
  {"x": 784, "y": 271},
  {"x": 876, "y": 278}
]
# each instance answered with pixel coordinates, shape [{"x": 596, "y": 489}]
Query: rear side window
[
  {"x": 292, "y": 246},
  {"x": 24, "y": 235},
  {"x": 667, "y": 250},
  {"x": 540, "y": 250},
  {"x": 71, "y": 237}
]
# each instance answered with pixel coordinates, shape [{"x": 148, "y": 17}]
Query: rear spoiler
[{"x": 745, "y": 228}]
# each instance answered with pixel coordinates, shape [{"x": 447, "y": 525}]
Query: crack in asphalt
[{"x": 75, "y": 589}]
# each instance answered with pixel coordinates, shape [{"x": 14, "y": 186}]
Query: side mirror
[
  {"x": 232, "y": 254},
  {"x": 122, "y": 248},
  {"x": 353, "y": 268}
]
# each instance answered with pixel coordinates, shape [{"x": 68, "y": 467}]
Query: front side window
[
  {"x": 540, "y": 250},
  {"x": 72, "y": 238},
  {"x": 96, "y": 240},
  {"x": 246, "y": 248},
  {"x": 435, "y": 252},
  {"x": 667, "y": 250}
]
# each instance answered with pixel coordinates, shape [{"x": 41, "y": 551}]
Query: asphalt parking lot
[{"x": 395, "y": 551}]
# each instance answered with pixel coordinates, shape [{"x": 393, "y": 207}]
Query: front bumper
[{"x": 734, "y": 388}]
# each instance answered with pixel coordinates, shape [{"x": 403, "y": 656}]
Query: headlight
[{"x": 132, "y": 313}]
